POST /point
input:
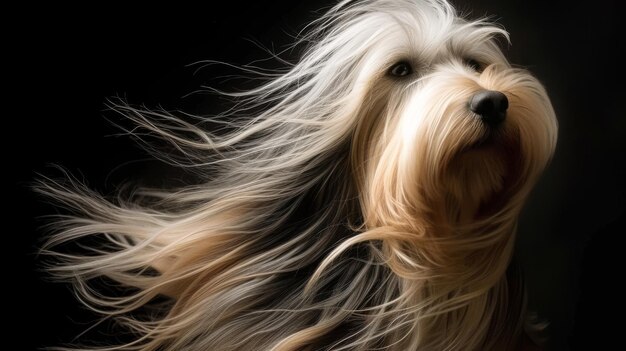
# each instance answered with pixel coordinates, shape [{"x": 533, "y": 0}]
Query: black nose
[{"x": 490, "y": 105}]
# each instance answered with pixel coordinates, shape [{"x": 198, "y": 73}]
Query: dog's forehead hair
[
  {"x": 422, "y": 34},
  {"x": 458, "y": 40}
]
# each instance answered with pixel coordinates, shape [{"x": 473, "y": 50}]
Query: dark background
[{"x": 63, "y": 63}]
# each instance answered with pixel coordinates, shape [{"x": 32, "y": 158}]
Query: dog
[{"x": 364, "y": 198}]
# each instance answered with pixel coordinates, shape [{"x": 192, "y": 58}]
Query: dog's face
[{"x": 448, "y": 125}]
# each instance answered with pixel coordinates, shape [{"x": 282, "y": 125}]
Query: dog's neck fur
[
  {"x": 462, "y": 243},
  {"x": 468, "y": 254}
]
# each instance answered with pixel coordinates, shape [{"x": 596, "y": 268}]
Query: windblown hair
[{"x": 339, "y": 207}]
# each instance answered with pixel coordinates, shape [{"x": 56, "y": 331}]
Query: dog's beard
[
  {"x": 441, "y": 157},
  {"x": 482, "y": 177}
]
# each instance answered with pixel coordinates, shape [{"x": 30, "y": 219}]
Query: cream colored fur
[{"x": 340, "y": 208}]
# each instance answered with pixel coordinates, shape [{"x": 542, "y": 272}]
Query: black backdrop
[{"x": 64, "y": 62}]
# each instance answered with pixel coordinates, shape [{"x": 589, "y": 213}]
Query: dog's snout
[{"x": 490, "y": 105}]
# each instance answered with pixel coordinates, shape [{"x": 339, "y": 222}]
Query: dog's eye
[
  {"x": 473, "y": 64},
  {"x": 401, "y": 69}
]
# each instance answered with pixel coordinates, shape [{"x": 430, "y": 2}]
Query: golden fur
[{"x": 339, "y": 207}]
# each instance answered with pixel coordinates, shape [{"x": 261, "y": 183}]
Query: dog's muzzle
[{"x": 490, "y": 105}]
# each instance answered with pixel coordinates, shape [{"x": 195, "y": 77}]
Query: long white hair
[{"x": 337, "y": 207}]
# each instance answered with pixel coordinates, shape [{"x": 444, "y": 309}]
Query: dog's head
[{"x": 441, "y": 121}]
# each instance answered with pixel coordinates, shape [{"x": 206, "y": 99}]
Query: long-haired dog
[{"x": 365, "y": 198}]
